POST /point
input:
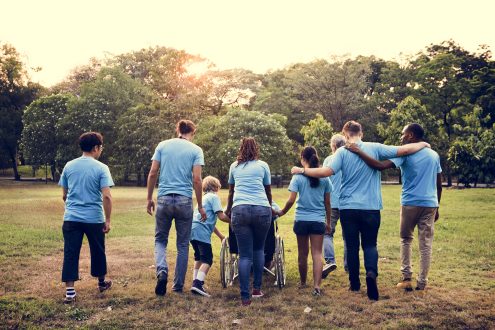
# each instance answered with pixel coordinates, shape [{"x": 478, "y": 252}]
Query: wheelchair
[{"x": 274, "y": 251}]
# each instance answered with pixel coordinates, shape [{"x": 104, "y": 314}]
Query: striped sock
[{"x": 70, "y": 292}]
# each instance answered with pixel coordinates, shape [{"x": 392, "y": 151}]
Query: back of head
[
  {"x": 337, "y": 141},
  {"x": 211, "y": 184},
  {"x": 249, "y": 150},
  {"x": 88, "y": 140},
  {"x": 352, "y": 128},
  {"x": 310, "y": 155},
  {"x": 184, "y": 127},
  {"x": 416, "y": 130}
]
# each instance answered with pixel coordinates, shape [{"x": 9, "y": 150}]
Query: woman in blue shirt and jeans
[{"x": 249, "y": 206}]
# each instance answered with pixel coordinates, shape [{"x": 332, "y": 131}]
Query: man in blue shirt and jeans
[
  {"x": 360, "y": 201},
  {"x": 421, "y": 193},
  {"x": 86, "y": 186}
]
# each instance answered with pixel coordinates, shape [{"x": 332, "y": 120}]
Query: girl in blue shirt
[{"x": 312, "y": 217}]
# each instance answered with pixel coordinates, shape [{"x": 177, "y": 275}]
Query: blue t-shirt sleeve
[
  {"x": 385, "y": 151},
  {"x": 294, "y": 183},
  {"x": 335, "y": 163},
  {"x": 199, "y": 158},
  {"x": 106, "y": 178},
  {"x": 63, "y": 180},
  {"x": 326, "y": 162},
  {"x": 231, "y": 174},
  {"x": 216, "y": 205},
  {"x": 398, "y": 161},
  {"x": 328, "y": 185},
  {"x": 157, "y": 154},
  {"x": 267, "y": 178}
]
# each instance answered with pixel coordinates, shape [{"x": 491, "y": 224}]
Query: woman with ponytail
[
  {"x": 249, "y": 206},
  {"x": 312, "y": 217}
]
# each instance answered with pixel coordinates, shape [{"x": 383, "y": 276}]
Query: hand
[
  {"x": 279, "y": 213},
  {"x": 221, "y": 238},
  {"x": 426, "y": 144},
  {"x": 437, "y": 215},
  {"x": 353, "y": 147},
  {"x": 328, "y": 229},
  {"x": 203, "y": 213},
  {"x": 296, "y": 170},
  {"x": 150, "y": 208},
  {"x": 106, "y": 227},
  {"x": 228, "y": 212}
]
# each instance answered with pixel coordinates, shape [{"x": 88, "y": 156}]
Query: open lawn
[{"x": 461, "y": 292}]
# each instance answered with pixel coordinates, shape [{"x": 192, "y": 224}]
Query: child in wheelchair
[{"x": 201, "y": 232}]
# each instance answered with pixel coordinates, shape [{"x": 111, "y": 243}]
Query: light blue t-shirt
[
  {"x": 336, "y": 180},
  {"x": 177, "y": 158},
  {"x": 419, "y": 178},
  {"x": 250, "y": 179},
  {"x": 84, "y": 177},
  {"x": 361, "y": 185},
  {"x": 310, "y": 204},
  {"x": 201, "y": 231}
]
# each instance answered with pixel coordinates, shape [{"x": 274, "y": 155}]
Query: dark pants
[
  {"x": 360, "y": 225},
  {"x": 270, "y": 243},
  {"x": 73, "y": 236},
  {"x": 202, "y": 252},
  {"x": 250, "y": 224}
]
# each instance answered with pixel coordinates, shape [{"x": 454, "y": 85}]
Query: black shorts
[
  {"x": 202, "y": 252},
  {"x": 305, "y": 228}
]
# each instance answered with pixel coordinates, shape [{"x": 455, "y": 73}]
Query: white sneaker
[{"x": 327, "y": 269}]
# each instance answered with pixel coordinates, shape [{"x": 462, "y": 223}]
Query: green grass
[{"x": 462, "y": 276}]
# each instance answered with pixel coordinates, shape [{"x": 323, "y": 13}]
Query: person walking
[
  {"x": 179, "y": 162},
  {"x": 86, "y": 186},
  {"x": 249, "y": 207}
]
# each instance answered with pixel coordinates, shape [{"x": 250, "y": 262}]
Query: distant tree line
[{"x": 135, "y": 99}]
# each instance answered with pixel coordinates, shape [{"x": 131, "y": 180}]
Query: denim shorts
[{"x": 304, "y": 228}]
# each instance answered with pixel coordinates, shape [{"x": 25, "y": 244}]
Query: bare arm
[
  {"x": 198, "y": 190},
  {"x": 411, "y": 148},
  {"x": 107, "y": 207},
  {"x": 370, "y": 161},
  {"x": 223, "y": 217},
  {"x": 439, "y": 193},
  {"x": 230, "y": 200},
  {"x": 288, "y": 205},
  {"x": 328, "y": 211},
  {"x": 321, "y": 172},
  {"x": 64, "y": 194},
  {"x": 218, "y": 233},
  {"x": 152, "y": 177},
  {"x": 268, "y": 191}
]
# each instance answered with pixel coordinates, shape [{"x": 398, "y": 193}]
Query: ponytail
[{"x": 310, "y": 155}]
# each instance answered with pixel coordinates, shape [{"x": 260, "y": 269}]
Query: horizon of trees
[{"x": 136, "y": 98}]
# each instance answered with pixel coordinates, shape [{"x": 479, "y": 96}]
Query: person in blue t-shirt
[
  {"x": 201, "y": 233},
  {"x": 360, "y": 200},
  {"x": 179, "y": 162},
  {"x": 421, "y": 193},
  {"x": 249, "y": 207},
  {"x": 336, "y": 142},
  {"x": 88, "y": 206},
  {"x": 312, "y": 220}
]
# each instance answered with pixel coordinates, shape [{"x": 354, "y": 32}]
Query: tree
[
  {"x": 41, "y": 134},
  {"x": 317, "y": 133},
  {"x": 219, "y": 136},
  {"x": 16, "y": 92},
  {"x": 78, "y": 76}
]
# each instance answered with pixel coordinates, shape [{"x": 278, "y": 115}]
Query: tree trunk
[
  {"x": 54, "y": 172},
  {"x": 139, "y": 177},
  {"x": 13, "y": 157}
]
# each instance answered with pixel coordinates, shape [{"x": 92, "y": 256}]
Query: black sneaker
[
  {"x": 104, "y": 286},
  {"x": 371, "y": 286},
  {"x": 197, "y": 288},
  {"x": 161, "y": 284},
  {"x": 327, "y": 269}
]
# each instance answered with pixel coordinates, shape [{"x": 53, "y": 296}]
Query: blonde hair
[{"x": 210, "y": 183}]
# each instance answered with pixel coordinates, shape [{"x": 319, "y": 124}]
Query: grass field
[{"x": 461, "y": 292}]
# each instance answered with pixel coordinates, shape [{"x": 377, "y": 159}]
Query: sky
[{"x": 258, "y": 35}]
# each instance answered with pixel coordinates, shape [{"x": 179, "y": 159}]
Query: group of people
[{"x": 347, "y": 186}]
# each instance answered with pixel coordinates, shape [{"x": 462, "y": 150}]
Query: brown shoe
[{"x": 405, "y": 285}]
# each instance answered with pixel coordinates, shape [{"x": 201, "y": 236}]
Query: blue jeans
[
  {"x": 250, "y": 224},
  {"x": 328, "y": 249},
  {"x": 172, "y": 207},
  {"x": 360, "y": 225}
]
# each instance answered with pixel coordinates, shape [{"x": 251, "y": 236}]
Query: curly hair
[{"x": 249, "y": 150}]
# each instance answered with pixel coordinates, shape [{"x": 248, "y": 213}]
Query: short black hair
[
  {"x": 88, "y": 140},
  {"x": 416, "y": 130},
  {"x": 185, "y": 126}
]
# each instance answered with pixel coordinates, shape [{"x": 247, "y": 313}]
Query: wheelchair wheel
[
  {"x": 280, "y": 262},
  {"x": 225, "y": 265}
]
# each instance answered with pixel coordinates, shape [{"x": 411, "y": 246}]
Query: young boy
[{"x": 201, "y": 233}]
